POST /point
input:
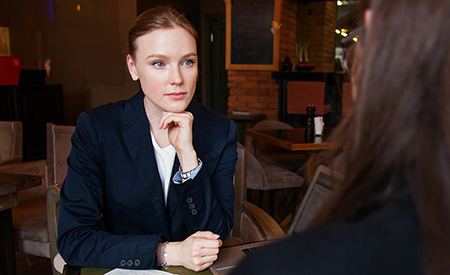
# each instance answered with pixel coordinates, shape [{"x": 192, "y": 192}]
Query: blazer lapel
[
  {"x": 200, "y": 127},
  {"x": 138, "y": 142},
  {"x": 172, "y": 200}
]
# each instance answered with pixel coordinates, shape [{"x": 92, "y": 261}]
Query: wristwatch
[{"x": 186, "y": 175}]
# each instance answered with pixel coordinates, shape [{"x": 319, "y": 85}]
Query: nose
[{"x": 176, "y": 76}]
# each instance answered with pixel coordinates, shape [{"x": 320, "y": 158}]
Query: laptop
[{"x": 320, "y": 187}]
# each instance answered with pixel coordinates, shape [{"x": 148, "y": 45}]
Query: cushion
[{"x": 30, "y": 220}]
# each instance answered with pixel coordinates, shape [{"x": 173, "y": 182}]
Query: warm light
[
  {"x": 355, "y": 39},
  {"x": 339, "y": 3},
  {"x": 78, "y": 7},
  {"x": 344, "y": 34},
  {"x": 337, "y": 31}
]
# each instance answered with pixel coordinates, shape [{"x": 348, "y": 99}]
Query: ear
[{"x": 132, "y": 68}]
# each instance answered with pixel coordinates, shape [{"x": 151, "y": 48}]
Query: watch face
[{"x": 185, "y": 175}]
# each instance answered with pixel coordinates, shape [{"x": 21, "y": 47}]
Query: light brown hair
[{"x": 157, "y": 18}]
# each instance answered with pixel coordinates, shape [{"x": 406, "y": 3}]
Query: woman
[
  {"x": 150, "y": 179},
  {"x": 390, "y": 215}
]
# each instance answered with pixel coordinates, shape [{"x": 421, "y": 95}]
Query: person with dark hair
[
  {"x": 150, "y": 179},
  {"x": 390, "y": 215}
]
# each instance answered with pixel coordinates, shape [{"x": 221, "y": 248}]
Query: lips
[{"x": 177, "y": 96}]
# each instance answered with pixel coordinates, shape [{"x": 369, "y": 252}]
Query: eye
[
  {"x": 158, "y": 64},
  {"x": 188, "y": 62}
]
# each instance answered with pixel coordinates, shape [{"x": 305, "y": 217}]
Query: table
[
  {"x": 10, "y": 184},
  {"x": 291, "y": 139},
  {"x": 76, "y": 270}
]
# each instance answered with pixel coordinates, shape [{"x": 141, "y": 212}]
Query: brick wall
[
  {"x": 253, "y": 91},
  {"x": 256, "y": 90},
  {"x": 317, "y": 21}
]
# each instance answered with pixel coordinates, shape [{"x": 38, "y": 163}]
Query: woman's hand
[
  {"x": 179, "y": 129},
  {"x": 197, "y": 252}
]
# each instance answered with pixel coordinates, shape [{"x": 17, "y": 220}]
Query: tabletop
[
  {"x": 291, "y": 139},
  {"x": 11, "y": 183},
  {"x": 75, "y": 270}
]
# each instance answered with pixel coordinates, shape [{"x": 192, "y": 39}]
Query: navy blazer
[{"x": 112, "y": 211}]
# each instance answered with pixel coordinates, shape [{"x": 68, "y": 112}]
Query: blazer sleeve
[
  {"x": 207, "y": 201},
  {"x": 82, "y": 238}
]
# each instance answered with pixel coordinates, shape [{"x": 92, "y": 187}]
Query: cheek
[
  {"x": 152, "y": 77},
  {"x": 192, "y": 76}
]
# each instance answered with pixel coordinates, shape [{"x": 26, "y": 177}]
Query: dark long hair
[{"x": 399, "y": 130}]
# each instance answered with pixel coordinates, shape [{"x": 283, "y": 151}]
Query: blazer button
[
  {"x": 129, "y": 263},
  {"x": 189, "y": 200},
  {"x": 123, "y": 263},
  {"x": 137, "y": 262},
  {"x": 194, "y": 212},
  {"x": 192, "y": 206}
]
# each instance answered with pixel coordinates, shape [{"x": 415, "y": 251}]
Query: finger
[
  {"x": 209, "y": 260},
  {"x": 209, "y": 252},
  {"x": 214, "y": 244},
  {"x": 201, "y": 247},
  {"x": 165, "y": 120},
  {"x": 202, "y": 243},
  {"x": 206, "y": 235},
  {"x": 170, "y": 119}
]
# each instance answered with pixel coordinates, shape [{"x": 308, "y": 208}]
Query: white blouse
[{"x": 165, "y": 158}]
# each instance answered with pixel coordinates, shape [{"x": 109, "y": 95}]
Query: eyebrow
[{"x": 192, "y": 54}]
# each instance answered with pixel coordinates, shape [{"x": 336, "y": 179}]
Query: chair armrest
[
  {"x": 52, "y": 216},
  {"x": 268, "y": 227},
  {"x": 11, "y": 161},
  {"x": 27, "y": 167}
]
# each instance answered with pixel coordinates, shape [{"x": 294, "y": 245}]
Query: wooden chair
[
  {"x": 281, "y": 168},
  {"x": 10, "y": 142},
  {"x": 265, "y": 176},
  {"x": 251, "y": 222},
  {"x": 58, "y": 150},
  {"x": 35, "y": 218},
  {"x": 29, "y": 217}
]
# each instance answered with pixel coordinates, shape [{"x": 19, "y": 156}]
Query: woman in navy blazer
[{"x": 150, "y": 179}]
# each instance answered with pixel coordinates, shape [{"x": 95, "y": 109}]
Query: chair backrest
[
  {"x": 58, "y": 149},
  {"x": 301, "y": 94},
  {"x": 271, "y": 124},
  {"x": 251, "y": 223},
  {"x": 347, "y": 98},
  {"x": 240, "y": 188},
  {"x": 256, "y": 176},
  {"x": 10, "y": 142},
  {"x": 259, "y": 147}
]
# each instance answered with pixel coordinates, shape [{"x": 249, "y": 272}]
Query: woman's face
[{"x": 165, "y": 61}]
